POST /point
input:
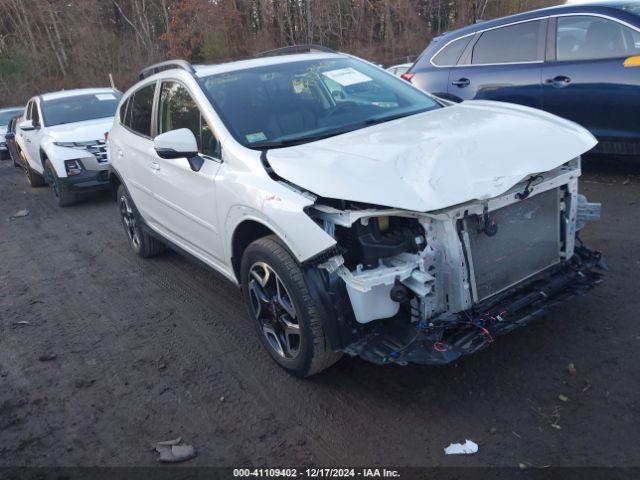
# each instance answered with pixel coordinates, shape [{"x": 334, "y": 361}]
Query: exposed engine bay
[{"x": 429, "y": 287}]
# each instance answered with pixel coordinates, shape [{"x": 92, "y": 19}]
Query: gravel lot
[{"x": 148, "y": 350}]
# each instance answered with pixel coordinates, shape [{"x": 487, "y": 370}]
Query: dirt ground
[{"x": 148, "y": 350}]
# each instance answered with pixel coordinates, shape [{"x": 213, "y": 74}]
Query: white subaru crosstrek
[
  {"x": 62, "y": 141},
  {"x": 358, "y": 214}
]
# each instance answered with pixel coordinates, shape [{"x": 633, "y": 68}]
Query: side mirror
[
  {"x": 180, "y": 143},
  {"x": 9, "y": 136},
  {"x": 26, "y": 126}
]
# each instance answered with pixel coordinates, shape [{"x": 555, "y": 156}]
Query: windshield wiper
[
  {"x": 288, "y": 142},
  {"x": 388, "y": 118}
]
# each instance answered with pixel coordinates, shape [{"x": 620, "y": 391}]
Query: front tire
[
  {"x": 63, "y": 197},
  {"x": 35, "y": 179},
  {"x": 142, "y": 243},
  {"x": 286, "y": 317}
]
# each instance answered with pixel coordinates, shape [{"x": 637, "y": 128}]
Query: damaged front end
[{"x": 427, "y": 288}]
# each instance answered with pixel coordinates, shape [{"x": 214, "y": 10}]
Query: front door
[
  {"x": 587, "y": 81},
  {"x": 502, "y": 64},
  {"x": 29, "y": 140},
  {"x": 186, "y": 199}
]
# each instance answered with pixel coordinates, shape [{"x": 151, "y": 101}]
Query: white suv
[
  {"x": 358, "y": 214},
  {"x": 62, "y": 141},
  {"x": 6, "y": 114}
]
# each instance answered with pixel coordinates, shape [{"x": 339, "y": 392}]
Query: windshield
[
  {"x": 80, "y": 108},
  {"x": 299, "y": 102},
  {"x": 6, "y": 115}
]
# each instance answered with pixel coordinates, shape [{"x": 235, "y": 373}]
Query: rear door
[
  {"x": 186, "y": 200},
  {"x": 586, "y": 80},
  {"x": 502, "y": 63},
  {"x": 134, "y": 148},
  {"x": 11, "y": 143},
  {"x": 29, "y": 140},
  {"x": 431, "y": 71}
]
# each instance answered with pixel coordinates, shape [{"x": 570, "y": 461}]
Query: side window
[
  {"x": 29, "y": 107},
  {"x": 584, "y": 37},
  {"x": 177, "y": 109},
  {"x": 140, "y": 107},
  {"x": 511, "y": 44},
  {"x": 450, "y": 54}
]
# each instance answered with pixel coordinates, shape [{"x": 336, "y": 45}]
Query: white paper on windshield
[
  {"x": 105, "y": 96},
  {"x": 346, "y": 76}
]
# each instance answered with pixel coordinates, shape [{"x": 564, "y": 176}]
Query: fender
[
  {"x": 302, "y": 246},
  {"x": 330, "y": 296}
]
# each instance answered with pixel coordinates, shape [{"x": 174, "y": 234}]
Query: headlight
[
  {"x": 73, "y": 167},
  {"x": 65, "y": 144}
]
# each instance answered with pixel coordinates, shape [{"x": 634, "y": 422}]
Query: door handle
[
  {"x": 461, "y": 82},
  {"x": 120, "y": 153},
  {"x": 28, "y": 140},
  {"x": 155, "y": 166},
  {"x": 560, "y": 81}
]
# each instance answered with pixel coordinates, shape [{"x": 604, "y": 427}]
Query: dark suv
[{"x": 581, "y": 62}]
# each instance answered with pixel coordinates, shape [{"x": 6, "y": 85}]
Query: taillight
[
  {"x": 106, "y": 136},
  {"x": 407, "y": 76}
]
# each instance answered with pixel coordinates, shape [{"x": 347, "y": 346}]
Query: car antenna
[{"x": 113, "y": 84}]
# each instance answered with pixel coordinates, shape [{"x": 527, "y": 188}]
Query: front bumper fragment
[
  {"x": 443, "y": 340},
  {"x": 87, "y": 181}
]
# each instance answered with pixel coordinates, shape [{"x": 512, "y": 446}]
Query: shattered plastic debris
[
  {"x": 466, "y": 448},
  {"x": 171, "y": 451},
  {"x": 20, "y": 213}
]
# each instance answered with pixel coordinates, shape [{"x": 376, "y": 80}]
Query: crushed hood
[
  {"x": 473, "y": 150},
  {"x": 80, "y": 131}
]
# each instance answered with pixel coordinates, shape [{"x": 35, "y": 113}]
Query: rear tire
[
  {"x": 63, "y": 197},
  {"x": 35, "y": 179},
  {"x": 142, "y": 243},
  {"x": 285, "y": 315}
]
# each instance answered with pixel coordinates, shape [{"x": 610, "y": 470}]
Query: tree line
[{"x": 48, "y": 45}]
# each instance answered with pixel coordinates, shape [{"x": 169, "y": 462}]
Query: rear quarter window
[
  {"x": 451, "y": 53},
  {"x": 123, "y": 111}
]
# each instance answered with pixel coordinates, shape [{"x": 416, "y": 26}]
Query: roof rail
[
  {"x": 169, "y": 64},
  {"x": 292, "y": 49}
]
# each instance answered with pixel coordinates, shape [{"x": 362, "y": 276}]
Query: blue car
[{"x": 581, "y": 62}]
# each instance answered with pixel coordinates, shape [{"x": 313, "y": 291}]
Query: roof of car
[
  {"x": 74, "y": 93},
  {"x": 600, "y": 6},
  {"x": 206, "y": 70}
]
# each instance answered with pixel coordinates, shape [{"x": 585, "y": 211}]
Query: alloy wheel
[
  {"x": 51, "y": 180},
  {"x": 129, "y": 221},
  {"x": 273, "y": 309}
]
